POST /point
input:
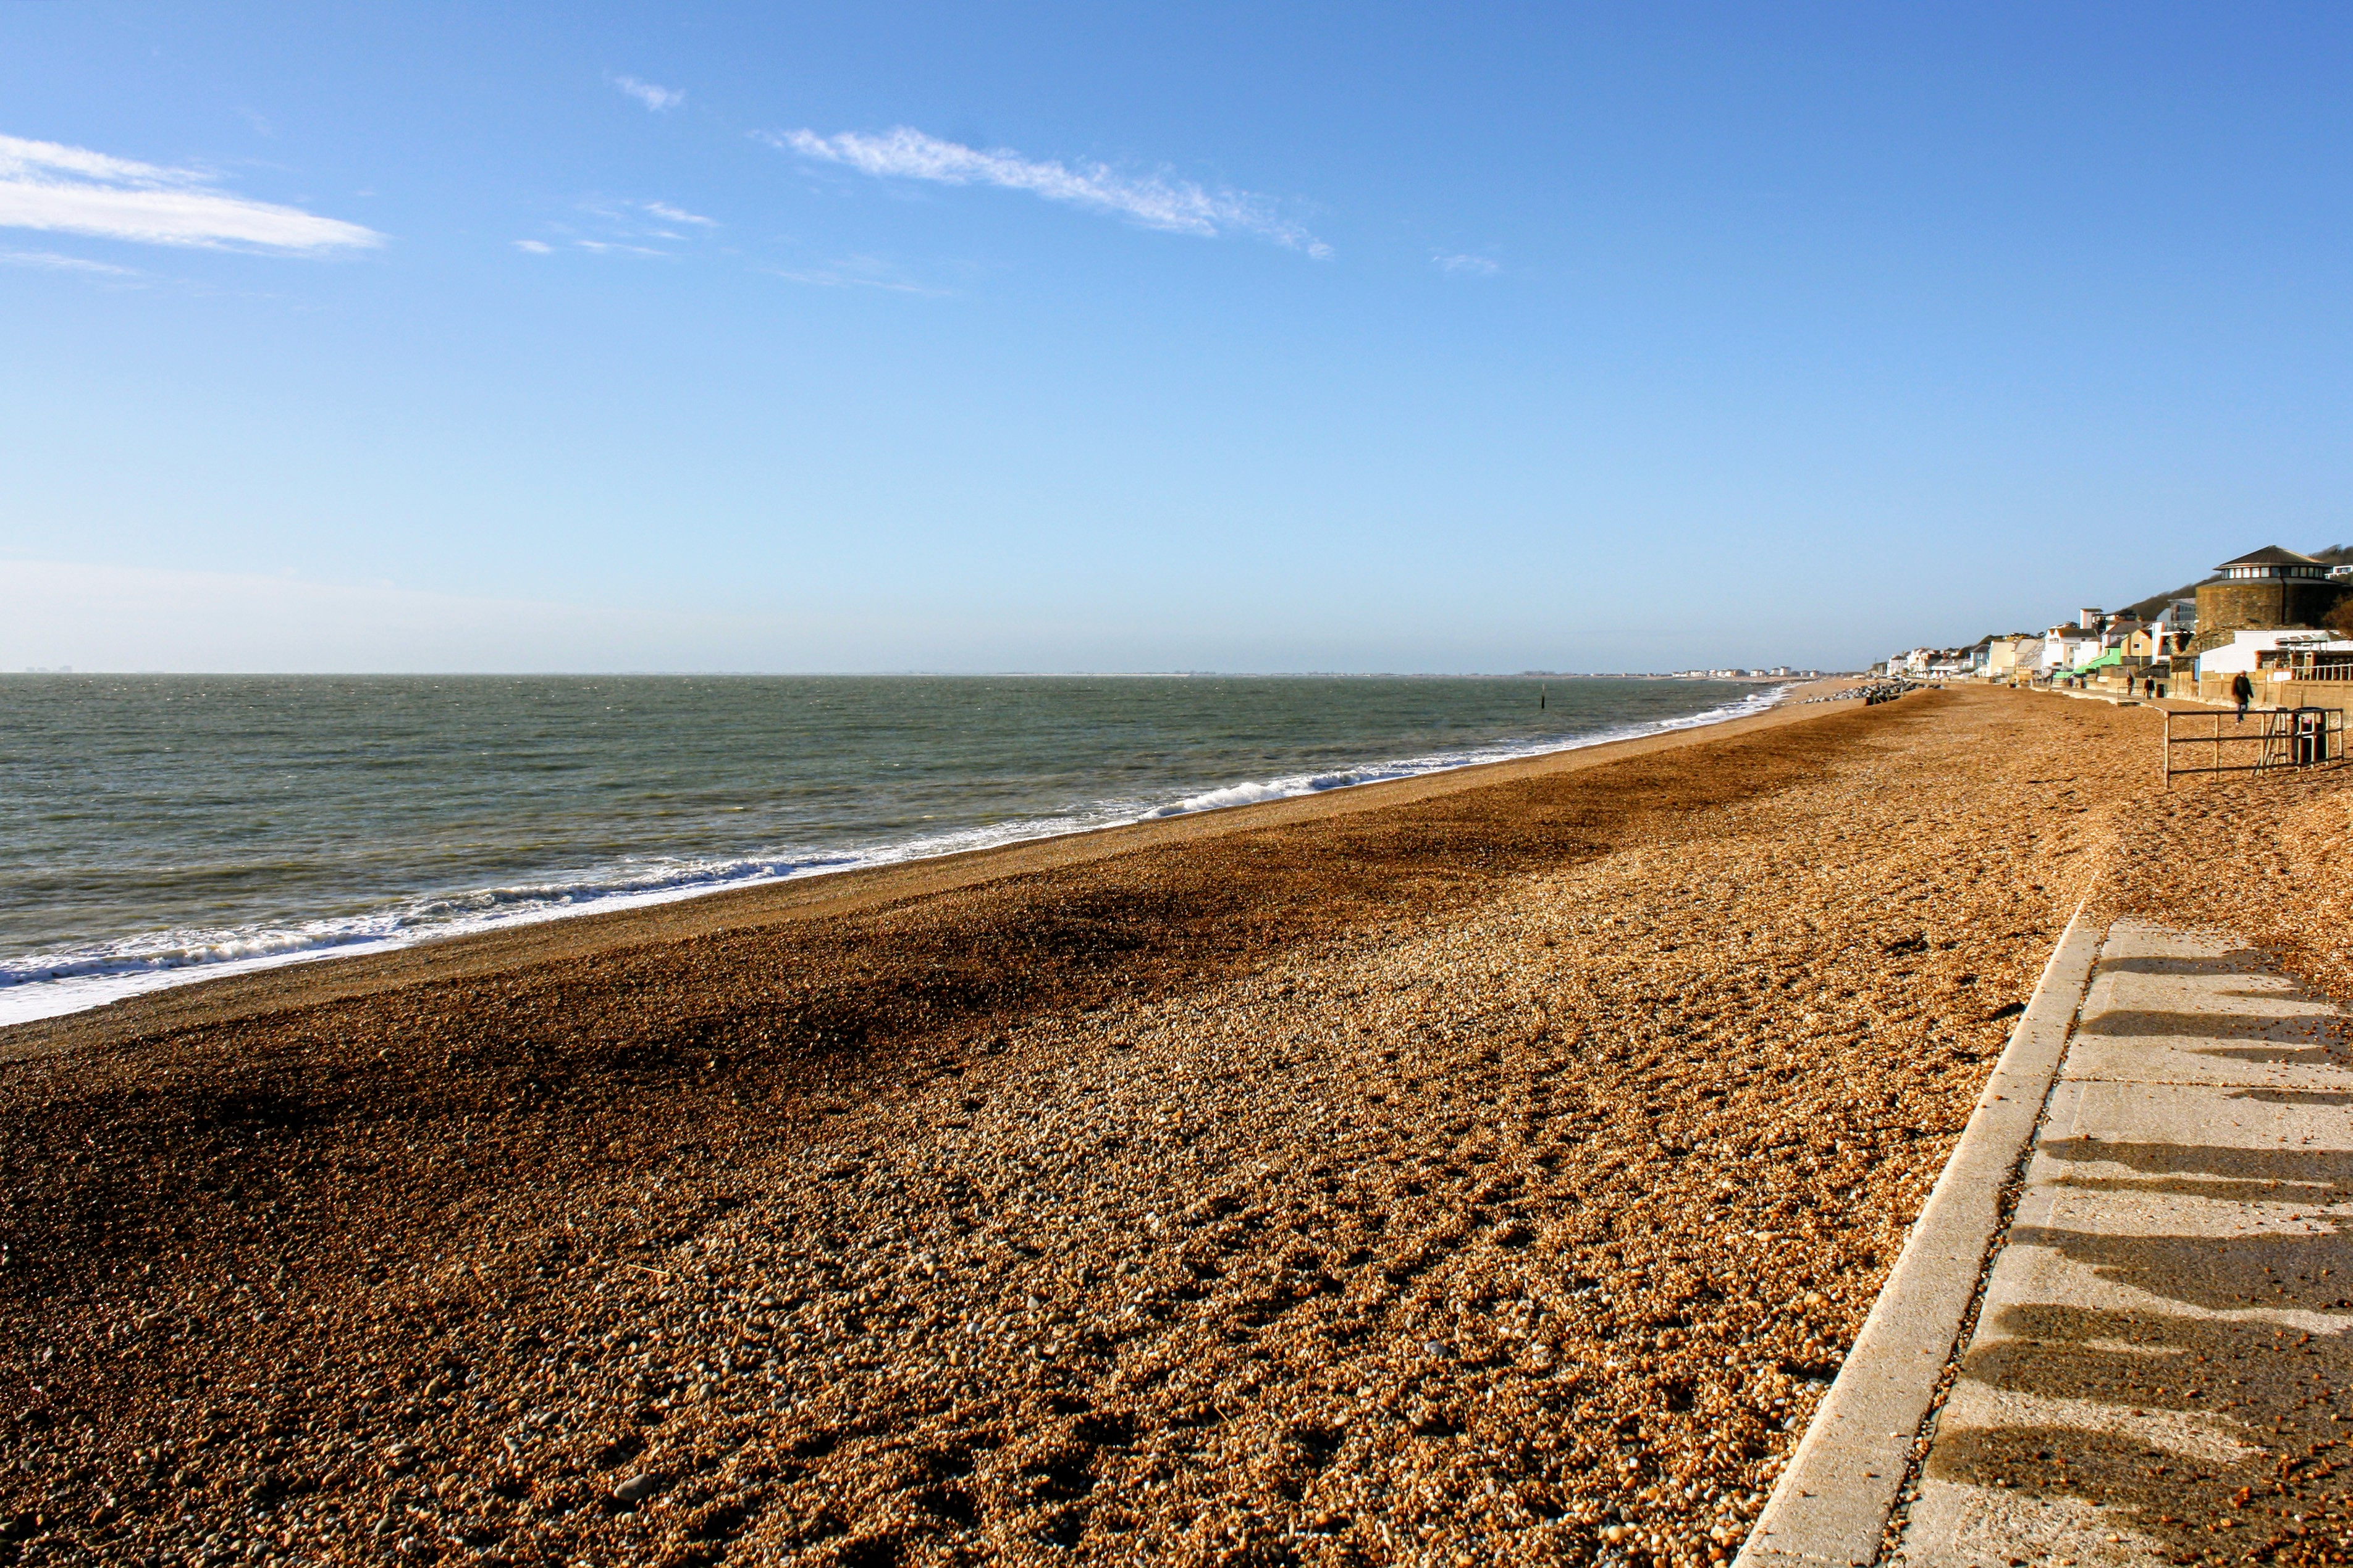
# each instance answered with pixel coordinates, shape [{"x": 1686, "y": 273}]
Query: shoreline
[
  {"x": 130, "y": 989},
  {"x": 1497, "y": 1171}
]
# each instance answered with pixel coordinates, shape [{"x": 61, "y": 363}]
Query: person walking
[{"x": 2244, "y": 690}]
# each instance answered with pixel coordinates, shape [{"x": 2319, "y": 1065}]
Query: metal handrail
[{"x": 2289, "y": 738}]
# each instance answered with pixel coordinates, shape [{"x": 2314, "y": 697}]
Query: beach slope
[{"x": 1492, "y": 1164}]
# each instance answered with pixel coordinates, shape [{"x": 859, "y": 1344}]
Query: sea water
[{"x": 155, "y": 829}]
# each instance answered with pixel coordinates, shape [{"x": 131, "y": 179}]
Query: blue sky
[{"x": 1122, "y": 337}]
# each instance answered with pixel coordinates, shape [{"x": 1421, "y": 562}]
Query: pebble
[{"x": 1478, "y": 1114}]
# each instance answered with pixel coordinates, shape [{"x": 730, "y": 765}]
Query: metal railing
[{"x": 2281, "y": 737}]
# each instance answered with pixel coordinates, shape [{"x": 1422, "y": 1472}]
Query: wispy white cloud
[
  {"x": 52, "y": 260},
  {"x": 1156, "y": 201},
  {"x": 654, "y": 98},
  {"x": 536, "y": 246},
  {"x": 1467, "y": 266},
  {"x": 71, "y": 190},
  {"x": 679, "y": 214},
  {"x": 853, "y": 273},
  {"x": 623, "y": 227}
]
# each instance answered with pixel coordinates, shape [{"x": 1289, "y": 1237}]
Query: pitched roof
[{"x": 2268, "y": 555}]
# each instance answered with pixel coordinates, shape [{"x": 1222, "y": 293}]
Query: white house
[
  {"x": 2064, "y": 647},
  {"x": 2245, "y": 653}
]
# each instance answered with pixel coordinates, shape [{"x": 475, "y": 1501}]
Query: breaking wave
[
  {"x": 48, "y": 984},
  {"x": 1252, "y": 794}
]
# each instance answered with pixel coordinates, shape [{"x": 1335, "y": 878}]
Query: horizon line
[{"x": 927, "y": 674}]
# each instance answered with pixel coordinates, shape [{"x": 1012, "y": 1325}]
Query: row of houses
[
  {"x": 1779, "y": 671},
  {"x": 2094, "y": 640},
  {"x": 2271, "y": 613}
]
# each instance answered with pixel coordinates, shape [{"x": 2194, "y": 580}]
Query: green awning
[{"x": 2107, "y": 657}]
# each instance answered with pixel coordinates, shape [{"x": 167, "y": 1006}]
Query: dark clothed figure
[{"x": 2244, "y": 690}]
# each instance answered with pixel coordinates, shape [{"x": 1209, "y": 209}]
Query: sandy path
[{"x": 1494, "y": 1174}]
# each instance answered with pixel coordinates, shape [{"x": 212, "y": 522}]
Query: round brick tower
[{"x": 2267, "y": 587}]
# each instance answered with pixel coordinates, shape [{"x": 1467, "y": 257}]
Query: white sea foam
[
  {"x": 1251, "y": 794},
  {"x": 49, "y": 984}
]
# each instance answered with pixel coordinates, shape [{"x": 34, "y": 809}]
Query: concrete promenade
[{"x": 2159, "y": 1363}]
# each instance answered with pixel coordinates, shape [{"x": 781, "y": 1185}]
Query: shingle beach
[{"x": 1490, "y": 1171}]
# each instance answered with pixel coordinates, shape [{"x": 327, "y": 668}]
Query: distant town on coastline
[
  {"x": 2282, "y": 620},
  {"x": 1777, "y": 672}
]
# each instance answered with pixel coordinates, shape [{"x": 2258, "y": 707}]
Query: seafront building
[
  {"x": 2006, "y": 658},
  {"x": 2265, "y": 589},
  {"x": 2275, "y": 653},
  {"x": 2065, "y": 646},
  {"x": 1778, "y": 672},
  {"x": 2283, "y": 618}
]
